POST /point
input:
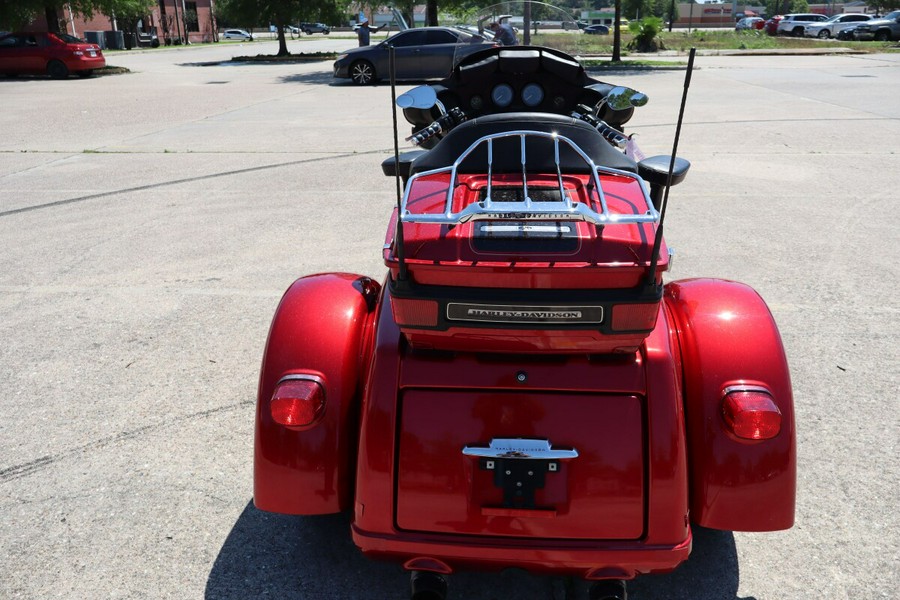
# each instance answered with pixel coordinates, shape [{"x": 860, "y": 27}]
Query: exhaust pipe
[
  {"x": 608, "y": 589},
  {"x": 425, "y": 585}
]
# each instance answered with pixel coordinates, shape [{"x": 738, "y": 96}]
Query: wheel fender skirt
[
  {"x": 729, "y": 341},
  {"x": 318, "y": 334}
]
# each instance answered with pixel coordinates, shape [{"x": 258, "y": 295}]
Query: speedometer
[
  {"x": 502, "y": 95},
  {"x": 532, "y": 95}
]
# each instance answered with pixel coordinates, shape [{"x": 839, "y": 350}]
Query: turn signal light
[
  {"x": 297, "y": 402},
  {"x": 415, "y": 313},
  {"x": 634, "y": 317},
  {"x": 751, "y": 414}
]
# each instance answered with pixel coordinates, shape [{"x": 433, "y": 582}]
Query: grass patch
[
  {"x": 702, "y": 39},
  {"x": 630, "y": 65},
  {"x": 290, "y": 58},
  {"x": 111, "y": 70}
]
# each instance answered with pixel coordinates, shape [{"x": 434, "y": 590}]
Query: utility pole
[
  {"x": 187, "y": 35},
  {"x": 177, "y": 21}
]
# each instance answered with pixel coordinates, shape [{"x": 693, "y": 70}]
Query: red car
[
  {"x": 56, "y": 54},
  {"x": 771, "y": 25}
]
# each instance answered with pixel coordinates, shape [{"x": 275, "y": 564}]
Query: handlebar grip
[
  {"x": 613, "y": 136},
  {"x": 424, "y": 134}
]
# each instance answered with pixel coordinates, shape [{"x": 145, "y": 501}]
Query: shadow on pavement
[{"x": 280, "y": 556}]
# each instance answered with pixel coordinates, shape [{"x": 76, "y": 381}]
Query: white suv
[
  {"x": 794, "y": 24},
  {"x": 830, "y": 28}
]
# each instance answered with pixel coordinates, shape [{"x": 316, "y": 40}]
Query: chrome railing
[{"x": 564, "y": 209}]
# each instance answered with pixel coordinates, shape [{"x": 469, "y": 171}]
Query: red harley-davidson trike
[{"x": 524, "y": 389}]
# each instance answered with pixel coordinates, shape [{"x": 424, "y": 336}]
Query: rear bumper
[
  {"x": 86, "y": 63},
  {"x": 588, "y": 560}
]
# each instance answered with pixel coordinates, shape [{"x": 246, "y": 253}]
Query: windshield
[
  {"x": 534, "y": 24},
  {"x": 893, "y": 15}
]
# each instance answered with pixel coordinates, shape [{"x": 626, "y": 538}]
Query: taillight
[
  {"x": 297, "y": 402},
  {"x": 634, "y": 317},
  {"x": 751, "y": 413},
  {"x": 415, "y": 313}
]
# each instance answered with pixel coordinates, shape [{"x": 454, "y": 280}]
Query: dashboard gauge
[
  {"x": 502, "y": 95},
  {"x": 476, "y": 102},
  {"x": 532, "y": 94}
]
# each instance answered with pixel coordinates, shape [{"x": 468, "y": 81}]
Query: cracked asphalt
[{"x": 150, "y": 222}]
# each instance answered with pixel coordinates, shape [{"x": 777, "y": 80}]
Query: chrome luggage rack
[{"x": 562, "y": 210}]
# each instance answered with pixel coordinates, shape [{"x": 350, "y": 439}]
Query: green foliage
[{"x": 646, "y": 35}]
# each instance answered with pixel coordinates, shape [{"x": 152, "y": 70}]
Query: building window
[{"x": 192, "y": 23}]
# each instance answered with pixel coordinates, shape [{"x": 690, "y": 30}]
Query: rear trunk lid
[{"x": 565, "y": 463}]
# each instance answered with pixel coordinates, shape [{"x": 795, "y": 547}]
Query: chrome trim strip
[
  {"x": 302, "y": 376},
  {"x": 746, "y": 388},
  {"x": 520, "y": 448}
]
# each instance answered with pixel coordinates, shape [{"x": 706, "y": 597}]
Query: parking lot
[{"x": 150, "y": 222}]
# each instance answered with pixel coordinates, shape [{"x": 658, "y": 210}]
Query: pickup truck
[{"x": 880, "y": 30}]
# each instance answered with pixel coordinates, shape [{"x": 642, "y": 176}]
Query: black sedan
[
  {"x": 597, "y": 29},
  {"x": 420, "y": 53}
]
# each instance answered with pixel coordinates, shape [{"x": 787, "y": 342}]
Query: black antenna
[
  {"x": 657, "y": 242},
  {"x": 398, "y": 237}
]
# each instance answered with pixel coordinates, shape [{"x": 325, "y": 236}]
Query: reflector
[
  {"x": 751, "y": 414},
  {"x": 297, "y": 402},
  {"x": 634, "y": 317},
  {"x": 421, "y": 313}
]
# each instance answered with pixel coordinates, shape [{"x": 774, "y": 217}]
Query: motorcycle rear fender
[
  {"x": 728, "y": 337},
  {"x": 320, "y": 329}
]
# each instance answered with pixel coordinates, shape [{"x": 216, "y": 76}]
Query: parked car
[
  {"x": 237, "y": 34},
  {"x": 881, "y": 30},
  {"x": 847, "y": 33},
  {"x": 597, "y": 29},
  {"x": 830, "y": 27},
  {"x": 292, "y": 30},
  {"x": 795, "y": 23},
  {"x": 750, "y": 23},
  {"x": 55, "y": 54},
  {"x": 771, "y": 26},
  {"x": 420, "y": 53},
  {"x": 311, "y": 28}
]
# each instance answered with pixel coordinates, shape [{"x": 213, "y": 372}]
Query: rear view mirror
[
  {"x": 623, "y": 98},
  {"x": 423, "y": 96}
]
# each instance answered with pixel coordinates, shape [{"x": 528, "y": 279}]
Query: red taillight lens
[
  {"x": 297, "y": 402},
  {"x": 416, "y": 313},
  {"x": 634, "y": 317},
  {"x": 751, "y": 414}
]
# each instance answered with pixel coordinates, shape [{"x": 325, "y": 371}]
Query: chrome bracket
[{"x": 519, "y": 466}]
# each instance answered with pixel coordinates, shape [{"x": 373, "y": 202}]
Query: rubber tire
[
  {"x": 362, "y": 72},
  {"x": 797, "y": 32},
  {"x": 307, "y": 32},
  {"x": 882, "y": 36},
  {"x": 327, "y": 31},
  {"x": 824, "y": 34},
  {"x": 56, "y": 69}
]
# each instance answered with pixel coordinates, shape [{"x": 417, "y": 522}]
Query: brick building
[{"x": 171, "y": 21}]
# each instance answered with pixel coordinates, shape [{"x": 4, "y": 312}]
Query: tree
[{"x": 280, "y": 13}]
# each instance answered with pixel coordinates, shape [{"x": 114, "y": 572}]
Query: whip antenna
[
  {"x": 398, "y": 236},
  {"x": 657, "y": 242}
]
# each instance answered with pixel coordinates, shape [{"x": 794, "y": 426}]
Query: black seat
[{"x": 507, "y": 152}]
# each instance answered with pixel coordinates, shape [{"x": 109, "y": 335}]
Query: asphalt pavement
[{"x": 150, "y": 222}]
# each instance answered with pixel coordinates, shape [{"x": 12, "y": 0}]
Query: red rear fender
[
  {"x": 320, "y": 329},
  {"x": 729, "y": 338}
]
